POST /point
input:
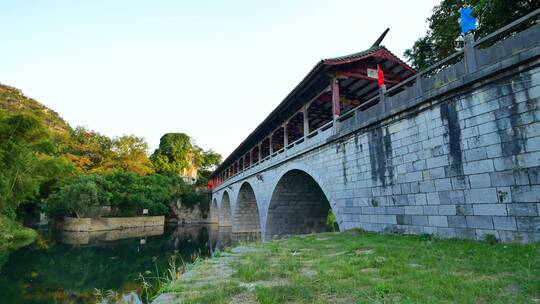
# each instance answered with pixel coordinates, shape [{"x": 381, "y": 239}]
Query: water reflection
[
  {"x": 97, "y": 237},
  {"x": 66, "y": 267},
  {"x": 223, "y": 237}
]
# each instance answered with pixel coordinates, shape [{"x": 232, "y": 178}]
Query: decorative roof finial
[{"x": 378, "y": 42}]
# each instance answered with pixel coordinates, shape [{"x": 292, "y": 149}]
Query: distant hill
[{"x": 13, "y": 100}]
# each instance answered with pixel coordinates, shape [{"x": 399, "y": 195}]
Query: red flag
[{"x": 380, "y": 76}]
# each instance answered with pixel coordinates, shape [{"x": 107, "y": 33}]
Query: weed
[
  {"x": 425, "y": 237},
  {"x": 491, "y": 239}
]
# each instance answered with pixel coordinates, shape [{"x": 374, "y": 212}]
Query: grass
[{"x": 359, "y": 267}]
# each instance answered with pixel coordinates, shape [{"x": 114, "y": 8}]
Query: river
[{"x": 63, "y": 267}]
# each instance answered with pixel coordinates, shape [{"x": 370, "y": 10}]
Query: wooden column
[
  {"x": 336, "y": 105},
  {"x": 260, "y": 151},
  {"x": 271, "y": 149},
  {"x": 285, "y": 136},
  {"x": 306, "y": 121}
]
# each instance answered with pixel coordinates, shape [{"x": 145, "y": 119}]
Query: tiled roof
[{"x": 354, "y": 56}]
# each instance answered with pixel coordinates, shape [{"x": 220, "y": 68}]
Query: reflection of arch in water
[
  {"x": 213, "y": 231},
  {"x": 225, "y": 210},
  {"x": 298, "y": 205},
  {"x": 190, "y": 239},
  {"x": 223, "y": 238},
  {"x": 246, "y": 215},
  {"x": 213, "y": 218}
]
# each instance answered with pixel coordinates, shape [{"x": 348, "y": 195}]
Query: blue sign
[{"x": 468, "y": 22}]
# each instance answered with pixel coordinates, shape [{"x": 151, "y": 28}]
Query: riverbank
[
  {"x": 359, "y": 267},
  {"x": 14, "y": 235}
]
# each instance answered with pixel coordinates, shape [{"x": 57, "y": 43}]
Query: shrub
[
  {"x": 331, "y": 222},
  {"x": 126, "y": 192}
]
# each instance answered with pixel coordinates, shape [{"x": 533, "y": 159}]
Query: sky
[{"x": 211, "y": 69}]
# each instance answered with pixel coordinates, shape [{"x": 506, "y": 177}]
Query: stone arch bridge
[{"x": 453, "y": 151}]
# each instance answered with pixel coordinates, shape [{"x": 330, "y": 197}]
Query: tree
[
  {"x": 126, "y": 192},
  {"x": 440, "y": 40},
  {"x": 81, "y": 198},
  {"x": 130, "y": 154},
  {"x": 25, "y": 161},
  {"x": 89, "y": 150},
  {"x": 93, "y": 152},
  {"x": 175, "y": 154},
  {"x": 210, "y": 160}
]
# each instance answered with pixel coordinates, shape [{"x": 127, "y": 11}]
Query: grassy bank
[
  {"x": 358, "y": 267},
  {"x": 14, "y": 235}
]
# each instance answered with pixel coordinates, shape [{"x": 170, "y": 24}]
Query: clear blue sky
[{"x": 211, "y": 69}]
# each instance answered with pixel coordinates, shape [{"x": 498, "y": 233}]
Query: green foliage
[
  {"x": 13, "y": 235},
  {"x": 126, "y": 192},
  {"x": 177, "y": 154},
  {"x": 331, "y": 222},
  {"x": 210, "y": 159},
  {"x": 439, "y": 41},
  {"x": 130, "y": 154},
  {"x": 89, "y": 150},
  {"x": 26, "y": 161},
  {"x": 78, "y": 170},
  {"x": 93, "y": 152},
  {"x": 12, "y": 100},
  {"x": 491, "y": 239},
  {"x": 82, "y": 197},
  {"x": 132, "y": 193},
  {"x": 426, "y": 237}
]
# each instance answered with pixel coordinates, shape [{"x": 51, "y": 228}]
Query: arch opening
[
  {"x": 213, "y": 217},
  {"x": 246, "y": 217},
  {"x": 225, "y": 211},
  {"x": 298, "y": 206}
]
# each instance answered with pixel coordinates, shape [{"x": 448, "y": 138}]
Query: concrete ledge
[{"x": 110, "y": 223}]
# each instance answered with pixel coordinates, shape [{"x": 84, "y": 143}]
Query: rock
[
  {"x": 309, "y": 272},
  {"x": 364, "y": 251},
  {"x": 336, "y": 254},
  {"x": 244, "y": 249}
]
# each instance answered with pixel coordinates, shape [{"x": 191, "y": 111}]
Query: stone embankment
[{"x": 110, "y": 223}]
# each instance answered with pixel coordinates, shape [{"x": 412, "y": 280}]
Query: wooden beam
[{"x": 389, "y": 78}]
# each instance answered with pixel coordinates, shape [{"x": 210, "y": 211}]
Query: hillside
[{"x": 13, "y": 100}]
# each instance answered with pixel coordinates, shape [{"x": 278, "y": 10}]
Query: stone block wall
[
  {"x": 111, "y": 223},
  {"x": 464, "y": 166}
]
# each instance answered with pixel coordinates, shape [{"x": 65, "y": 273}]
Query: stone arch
[
  {"x": 298, "y": 205},
  {"x": 246, "y": 216},
  {"x": 225, "y": 210},
  {"x": 213, "y": 217}
]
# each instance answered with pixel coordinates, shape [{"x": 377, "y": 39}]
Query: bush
[
  {"x": 127, "y": 193},
  {"x": 331, "y": 222},
  {"x": 83, "y": 197}
]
